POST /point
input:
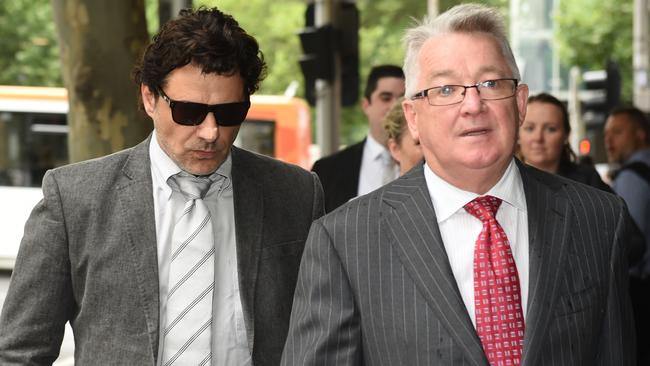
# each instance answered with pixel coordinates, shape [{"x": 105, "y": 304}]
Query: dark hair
[
  {"x": 568, "y": 156},
  {"x": 378, "y": 72},
  {"x": 637, "y": 117},
  {"x": 208, "y": 38}
]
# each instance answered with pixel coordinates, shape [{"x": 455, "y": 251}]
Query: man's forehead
[
  {"x": 454, "y": 55},
  {"x": 389, "y": 85},
  {"x": 620, "y": 121}
]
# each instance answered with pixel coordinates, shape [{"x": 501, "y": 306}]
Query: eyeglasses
[
  {"x": 453, "y": 94},
  {"x": 192, "y": 114}
]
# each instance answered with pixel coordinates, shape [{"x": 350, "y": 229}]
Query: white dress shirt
[
  {"x": 459, "y": 229},
  {"x": 229, "y": 342},
  {"x": 377, "y": 167}
]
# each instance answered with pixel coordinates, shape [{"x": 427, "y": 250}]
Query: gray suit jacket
[
  {"x": 376, "y": 287},
  {"x": 89, "y": 257}
]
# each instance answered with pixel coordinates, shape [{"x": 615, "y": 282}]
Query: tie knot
[
  {"x": 190, "y": 186},
  {"x": 484, "y": 207}
]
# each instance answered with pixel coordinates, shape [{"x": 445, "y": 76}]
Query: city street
[{"x": 66, "y": 357}]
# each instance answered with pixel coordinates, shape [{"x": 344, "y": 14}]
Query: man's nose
[
  {"x": 208, "y": 130},
  {"x": 472, "y": 102}
]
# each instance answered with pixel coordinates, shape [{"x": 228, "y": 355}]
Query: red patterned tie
[{"x": 497, "y": 296}]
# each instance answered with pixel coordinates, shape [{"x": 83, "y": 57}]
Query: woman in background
[
  {"x": 544, "y": 142},
  {"x": 403, "y": 148}
]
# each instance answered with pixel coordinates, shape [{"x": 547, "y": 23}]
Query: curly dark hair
[{"x": 205, "y": 37}]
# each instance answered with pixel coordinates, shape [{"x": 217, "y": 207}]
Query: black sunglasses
[{"x": 192, "y": 114}]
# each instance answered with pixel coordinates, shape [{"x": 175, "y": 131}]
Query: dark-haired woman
[{"x": 544, "y": 142}]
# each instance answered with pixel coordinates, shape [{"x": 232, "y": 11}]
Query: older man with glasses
[
  {"x": 473, "y": 258},
  {"x": 183, "y": 250}
]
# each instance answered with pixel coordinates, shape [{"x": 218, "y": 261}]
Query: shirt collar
[
  {"x": 374, "y": 148},
  {"x": 448, "y": 199}
]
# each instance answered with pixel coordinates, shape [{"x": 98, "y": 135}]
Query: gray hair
[{"x": 465, "y": 18}]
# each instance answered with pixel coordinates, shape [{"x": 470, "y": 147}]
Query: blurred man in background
[
  {"x": 627, "y": 140},
  {"x": 367, "y": 165}
]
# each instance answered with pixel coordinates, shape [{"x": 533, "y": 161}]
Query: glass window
[{"x": 30, "y": 144}]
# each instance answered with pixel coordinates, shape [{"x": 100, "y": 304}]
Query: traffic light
[
  {"x": 317, "y": 61},
  {"x": 320, "y": 46},
  {"x": 603, "y": 93}
]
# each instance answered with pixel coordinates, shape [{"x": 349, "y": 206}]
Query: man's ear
[
  {"x": 365, "y": 103},
  {"x": 522, "y": 103},
  {"x": 148, "y": 99},
  {"x": 411, "y": 118}
]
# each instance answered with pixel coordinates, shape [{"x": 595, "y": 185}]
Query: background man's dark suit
[
  {"x": 376, "y": 286},
  {"x": 339, "y": 174},
  {"x": 93, "y": 236}
]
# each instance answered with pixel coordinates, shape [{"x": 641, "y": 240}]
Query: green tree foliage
[
  {"x": 589, "y": 32},
  {"x": 29, "y": 50},
  {"x": 29, "y": 54}
]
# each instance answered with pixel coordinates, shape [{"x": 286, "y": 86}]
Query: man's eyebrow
[{"x": 386, "y": 94}]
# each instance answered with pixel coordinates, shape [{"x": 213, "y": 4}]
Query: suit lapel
[
  {"x": 249, "y": 211},
  {"x": 355, "y": 169},
  {"x": 410, "y": 223},
  {"x": 135, "y": 199},
  {"x": 548, "y": 228}
]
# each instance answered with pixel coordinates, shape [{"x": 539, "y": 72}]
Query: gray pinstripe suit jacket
[{"x": 376, "y": 288}]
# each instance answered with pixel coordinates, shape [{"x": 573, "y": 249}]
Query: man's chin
[{"x": 201, "y": 168}]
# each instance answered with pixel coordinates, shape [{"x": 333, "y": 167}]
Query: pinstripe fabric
[{"x": 376, "y": 288}]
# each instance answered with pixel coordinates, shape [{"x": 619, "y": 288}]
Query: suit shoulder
[
  {"x": 581, "y": 196},
  {"x": 92, "y": 168},
  {"x": 265, "y": 166},
  {"x": 340, "y": 157}
]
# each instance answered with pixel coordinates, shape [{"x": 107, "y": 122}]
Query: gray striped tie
[{"x": 187, "y": 332}]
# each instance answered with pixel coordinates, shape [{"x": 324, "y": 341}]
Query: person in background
[
  {"x": 183, "y": 250},
  {"x": 544, "y": 142},
  {"x": 627, "y": 140},
  {"x": 367, "y": 165},
  {"x": 472, "y": 258},
  {"x": 403, "y": 148}
]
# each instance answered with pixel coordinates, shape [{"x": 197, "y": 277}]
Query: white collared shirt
[
  {"x": 459, "y": 229},
  {"x": 229, "y": 341},
  {"x": 376, "y": 159}
]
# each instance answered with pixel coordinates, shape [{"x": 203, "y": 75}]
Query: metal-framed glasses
[
  {"x": 192, "y": 114},
  {"x": 494, "y": 89}
]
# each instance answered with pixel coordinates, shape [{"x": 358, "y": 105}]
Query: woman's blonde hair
[{"x": 394, "y": 122}]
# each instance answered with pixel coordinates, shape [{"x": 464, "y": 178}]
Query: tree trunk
[{"x": 100, "y": 42}]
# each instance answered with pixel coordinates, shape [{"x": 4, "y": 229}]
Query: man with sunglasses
[
  {"x": 183, "y": 250},
  {"x": 472, "y": 258}
]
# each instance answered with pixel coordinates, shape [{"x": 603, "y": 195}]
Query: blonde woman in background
[{"x": 403, "y": 148}]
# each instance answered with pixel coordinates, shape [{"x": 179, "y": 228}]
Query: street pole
[
  {"x": 328, "y": 93},
  {"x": 168, "y": 9},
  {"x": 641, "y": 58},
  {"x": 575, "y": 113},
  {"x": 432, "y": 8}
]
